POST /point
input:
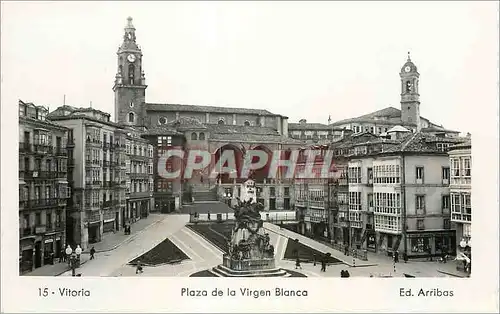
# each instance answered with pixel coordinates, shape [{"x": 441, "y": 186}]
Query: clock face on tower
[
  {"x": 407, "y": 69},
  {"x": 131, "y": 58}
]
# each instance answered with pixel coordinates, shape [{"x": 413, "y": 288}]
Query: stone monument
[{"x": 250, "y": 252}]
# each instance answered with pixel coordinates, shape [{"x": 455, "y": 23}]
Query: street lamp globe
[
  {"x": 78, "y": 250},
  {"x": 463, "y": 244},
  {"x": 69, "y": 250}
]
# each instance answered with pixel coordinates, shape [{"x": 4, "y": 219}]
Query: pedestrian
[
  {"x": 429, "y": 251},
  {"x": 314, "y": 259},
  {"x": 297, "y": 263},
  {"x": 62, "y": 254},
  {"x": 405, "y": 257},
  {"x": 208, "y": 215},
  {"x": 323, "y": 265},
  {"x": 347, "y": 275},
  {"x": 396, "y": 257},
  {"x": 346, "y": 250},
  {"x": 92, "y": 252},
  {"x": 139, "y": 269},
  {"x": 342, "y": 274}
]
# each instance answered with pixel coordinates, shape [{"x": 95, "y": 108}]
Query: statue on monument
[{"x": 248, "y": 239}]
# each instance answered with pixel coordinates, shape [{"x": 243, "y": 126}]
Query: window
[
  {"x": 446, "y": 174},
  {"x": 201, "y": 137},
  {"x": 38, "y": 219},
  {"x": 287, "y": 192},
  {"x": 354, "y": 200},
  {"x": 371, "y": 129},
  {"x": 455, "y": 167},
  {"x": 272, "y": 192},
  {"x": 420, "y": 224},
  {"x": 446, "y": 223},
  {"x": 48, "y": 220},
  {"x": 247, "y": 123},
  {"x": 419, "y": 245},
  {"x": 420, "y": 204},
  {"x": 354, "y": 175},
  {"x": 445, "y": 202},
  {"x": 370, "y": 175},
  {"x": 221, "y": 121},
  {"x": 370, "y": 201},
  {"x": 194, "y": 136},
  {"x": 386, "y": 174},
  {"x": 420, "y": 173},
  {"x": 131, "y": 117},
  {"x": 466, "y": 167}
]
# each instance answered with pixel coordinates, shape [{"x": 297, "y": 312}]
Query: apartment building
[
  {"x": 98, "y": 159},
  {"x": 399, "y": 196},
  {"x": 460, "y": 194},
  {"x": 43, "y": 187},
  {"x": 139, "y": 171}
]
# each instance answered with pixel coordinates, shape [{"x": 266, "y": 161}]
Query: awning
[
  {"x": 109, "y": 220},
  {"x": 62, "y": 181}
]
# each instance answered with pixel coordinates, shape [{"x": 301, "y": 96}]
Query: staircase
[{"x": 204, "y": 193}]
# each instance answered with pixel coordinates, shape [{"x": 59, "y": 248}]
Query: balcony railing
[
  {"x": 140, "y": 194},
  {"x": 26, "y": 232},
  {"x": 91, "y": 184},
  {"x": 39, "y": 203},
  {"x": 43, "y": 149},
  {"x": 107, "y": 204},
  {"x": 138, "y": 175},
  {"x": 25, "y": 147},
  {"x": 61, "y": 151}
]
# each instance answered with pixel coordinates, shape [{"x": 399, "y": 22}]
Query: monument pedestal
[{"x": 263, "y": 267}]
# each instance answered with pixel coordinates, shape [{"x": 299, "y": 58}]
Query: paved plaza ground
[{"x": 114, "y": 259}]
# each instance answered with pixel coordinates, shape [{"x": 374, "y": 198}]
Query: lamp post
[
  {"x": 71, "y": 259},
  {"x": 463, "y": 244}
]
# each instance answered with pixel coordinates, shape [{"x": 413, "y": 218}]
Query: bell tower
[
  {"x": 130, "y": 82},
  {"x": 410, "y": 98}
]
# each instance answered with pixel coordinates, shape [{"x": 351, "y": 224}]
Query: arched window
[
  {"x": 247, "y": 123},
  {"x": 202, "y": 136},
  {"x": 131, "y": 73},
  {"x": 131, "y": 117},
  {"x": 194, "y": 136},
  {"x": 221, "y": 121}
]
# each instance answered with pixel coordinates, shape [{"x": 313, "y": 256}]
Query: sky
[{"x": 307, "y": 60}]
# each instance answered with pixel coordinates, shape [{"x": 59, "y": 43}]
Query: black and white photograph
[{"x": 327, "y": 141}]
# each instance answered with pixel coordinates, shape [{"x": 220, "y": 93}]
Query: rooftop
[{"x": 206, "y": 109}]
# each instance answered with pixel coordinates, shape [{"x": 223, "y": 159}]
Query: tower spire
[{"x": 409, "y": 60}]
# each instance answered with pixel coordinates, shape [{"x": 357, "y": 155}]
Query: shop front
[
  {"x": 26, "y": 256},
  {"x": 430, "y": 244},
  {"x": 93, "y": 230},
  {"x": 165, "y": 205}
]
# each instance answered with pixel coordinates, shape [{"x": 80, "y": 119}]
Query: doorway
[
  {"x": 117, "y": 221},
  {"x": 38, "y": 254}
]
